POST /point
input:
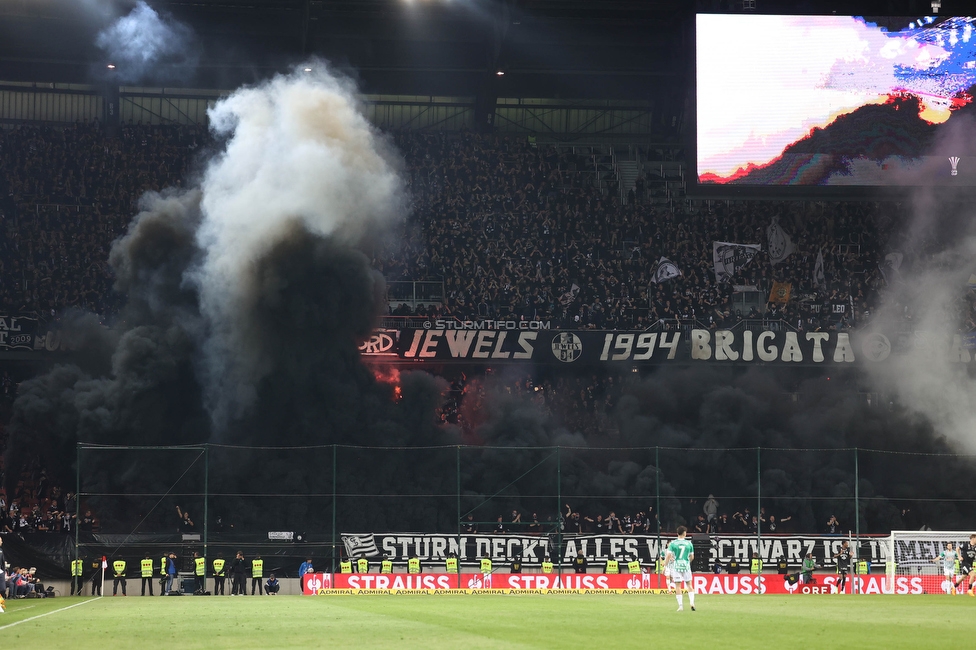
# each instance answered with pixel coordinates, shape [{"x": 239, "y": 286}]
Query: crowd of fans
[
  {"x": 525, "y": 231},
  {"x": 700, "y": 517},
  {"x": 65, "y": 195},
  {"x": 512, "y": 228}
]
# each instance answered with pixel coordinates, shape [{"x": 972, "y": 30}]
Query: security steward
[
  {"x": 612, "y": 567},
  {"x": 386, "y": 566},
  {"x": 579, "y": 563},
  {"x": 345, "y": 566},
  {"x": 77, "y": 566},
  {"x": 199, "y": 573},
  {"x": 863, "y": 567},
  {"x": 516, "y": 564},
  {"x": 162, "y": 574},
  {"x": 257, "y": 573},
  {"x": 219, "y": 567},
  {"x": 451, "y": 563},
  {"x": 755, "y": 565},
  {"x": 413, "y": 565},
  {"x": 659, "y": 564},
  {"x": 146, "y": 571},
  {"x": 547, "y": 565},
  {"x": 362, "y": 565},
  {"x": 782, "y": 567},
  {"x": 486, "y": 565},
  {"x": 633, "y": 566},
  {"x": 119, "y": 568},
  {"x": 96, "y": 577}
]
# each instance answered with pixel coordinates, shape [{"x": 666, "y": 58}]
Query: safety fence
[{"x": 323, "y": 501}]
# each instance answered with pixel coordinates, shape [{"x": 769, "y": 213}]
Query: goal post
[{"x": 913, "y": 564}]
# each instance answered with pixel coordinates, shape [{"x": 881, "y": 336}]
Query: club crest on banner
[
  {"x": 728, "y": 258},
  {"x": 666, "y": 270},
  {"x": 779, "y": 242},
  {"x": 567, "y": 347}
]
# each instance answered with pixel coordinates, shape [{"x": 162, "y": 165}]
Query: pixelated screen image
[{"x": 835, "y": 100}]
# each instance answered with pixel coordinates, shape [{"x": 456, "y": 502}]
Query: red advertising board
[{"x": 705, "y": 583}]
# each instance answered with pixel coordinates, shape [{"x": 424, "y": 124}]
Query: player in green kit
[{"x": 682, "y": 552}]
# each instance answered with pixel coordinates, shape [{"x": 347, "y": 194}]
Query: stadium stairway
[{"x": 627, "y": 167}]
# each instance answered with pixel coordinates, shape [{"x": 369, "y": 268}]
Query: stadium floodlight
[
  {"x": 500, "y": 73},
  {"x": 306, "y": 69},
  {"x": 936, "y": 5},
  {"x": 111, "y": 66}
]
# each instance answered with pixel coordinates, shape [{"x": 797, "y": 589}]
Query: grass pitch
[{"x": 490, "y": 621}]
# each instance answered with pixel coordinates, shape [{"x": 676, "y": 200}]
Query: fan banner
[
  {"x": 684, "y": 345},
  {"x": 650, "y": 583},
  {"x": 432, "y": 549},
  {"x": 728, "y": 258}
]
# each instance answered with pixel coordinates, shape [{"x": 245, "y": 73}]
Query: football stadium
[{"x": 494, "y": 323}]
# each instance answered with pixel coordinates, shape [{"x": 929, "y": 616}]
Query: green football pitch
[{"x": 491, "y": 621}]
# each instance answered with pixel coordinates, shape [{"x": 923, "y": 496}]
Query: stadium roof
[{"x": 547, "y": 48}]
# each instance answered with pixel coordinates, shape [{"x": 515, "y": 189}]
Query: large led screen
[{"x": 835, "y": 100}]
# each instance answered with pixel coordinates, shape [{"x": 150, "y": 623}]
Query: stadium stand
[{"x": 513, "y": 228}]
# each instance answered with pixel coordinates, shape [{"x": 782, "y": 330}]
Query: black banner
[
  {"x": 698, "y": 346},
  {"x": 598, "y": 548},
  {"x": 17, "y": 333}
]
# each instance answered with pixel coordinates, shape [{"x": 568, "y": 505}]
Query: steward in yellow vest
[
  {"x": 219, "y": 576},
  {"x": 633, "y": 566},
  {"x": 162, "y": 575},
  {"x": 386, "y": 566},
  {"x": 257, "y": 572},
  {"x": 612, "y": 567},
  {"x": 77, "y": 566},
  {"x": 345, "y": 566},
  {"x": 486, "y": 565},
  {"x": 146, "y": 571},
  {"x": 199, "y": 573},
  {"x": 863, "y": 567},
  {"x": 362, "y": 565},
  {"x": 119, "y": 568},
  {"x": 547, "y": 565},
  {"x": 755, "y": 565},
  {"x": 451, "y": 563},
  {"x": 413, "y": 565}
]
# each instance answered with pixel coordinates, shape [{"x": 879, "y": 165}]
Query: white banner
[
  {"x": 729, "y": 257},
  {"x": 779, "y": 243},
  {"x": 666, "y": 270}
]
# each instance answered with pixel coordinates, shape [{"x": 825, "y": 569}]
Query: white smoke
[
  {"x": 144, "y": 45},
  {"x": 927, "y": 300},
  {"x": 299, "y": 152}
]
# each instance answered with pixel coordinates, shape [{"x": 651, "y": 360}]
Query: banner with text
[
  {"x": 690, "y": 346},
  {"x": 433, "y": 549},
  {"x": 502, "y": 583}
]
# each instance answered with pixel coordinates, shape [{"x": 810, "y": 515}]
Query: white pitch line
[{"x": 55, "y": 611}]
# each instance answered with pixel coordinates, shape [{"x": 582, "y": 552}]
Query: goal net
[{"x": 919, "y": 562}]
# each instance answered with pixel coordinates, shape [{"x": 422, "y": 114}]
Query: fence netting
[{"x": 321, "y": 502}]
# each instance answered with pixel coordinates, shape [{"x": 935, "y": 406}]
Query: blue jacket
[
  {"x": 171, "y": 567},
  {"x": 304, "y": 568}
]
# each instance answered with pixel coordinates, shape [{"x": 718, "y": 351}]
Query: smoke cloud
[
  {"x": 247, "y": 296},
  {"x": 929, "y": 299},
  {"x": 300, "y": 161},
  {"x": 144, "y": 45}
]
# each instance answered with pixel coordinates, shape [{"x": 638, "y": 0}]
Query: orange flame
[{"x": 388, "y": 375}]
